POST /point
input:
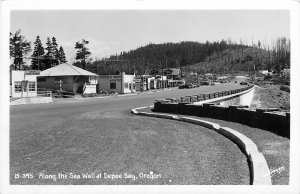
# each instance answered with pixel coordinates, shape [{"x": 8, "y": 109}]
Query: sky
[{"x": 113, "y": 31}]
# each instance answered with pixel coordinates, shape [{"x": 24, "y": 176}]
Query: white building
[
  {"x": 161, "y": 82},
  {"x": 152, "y": 83},
  {"x": 24, "y": 83},
  {"x": 222, "y": 78},
  {"x": 208, "y": 76},
  {"x": 120, "y": 84},
  {"x": 141, "y": 82},
  {"x": 263, "y": 72}
]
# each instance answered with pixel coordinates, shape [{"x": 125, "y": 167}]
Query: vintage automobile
[
  {"x": 204, "y": 82},
  {"x": 184, "y": 86},
  {"x": 244, "y": 83}
]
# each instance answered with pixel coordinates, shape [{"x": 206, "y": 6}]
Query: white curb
[
  {"x": 203, "y": 123},
  {"x": 260, "y": 170},
  {"x": 247, "y": 144}
]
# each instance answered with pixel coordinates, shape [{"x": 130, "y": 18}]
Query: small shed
[{"x": 68, "y": 78}]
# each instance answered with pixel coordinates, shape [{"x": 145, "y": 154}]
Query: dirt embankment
[{"x": 270, "y": 96}]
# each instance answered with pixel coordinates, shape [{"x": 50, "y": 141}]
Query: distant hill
[
  {"x": 234, "y": 60},
  {"x": 175, "y": 54},
  {"x": 217, "y": 57}
]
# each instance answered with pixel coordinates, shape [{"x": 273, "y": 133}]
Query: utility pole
[
  {"x": 162, "y": 76},
  {"x": 254, "y": 72},
  {"x": 197, "y": 75}
]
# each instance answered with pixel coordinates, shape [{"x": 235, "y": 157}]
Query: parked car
[
  {"x": 183, "y": 86},
  {"x": 190, "y": 85},
  {"x": 244, "y": 83},
  {"x": 224, "y": 81},
  {"x": 194, "y": 85},
  {"x": 268, "y": 82},
  {"x": 204, "y": 82}
]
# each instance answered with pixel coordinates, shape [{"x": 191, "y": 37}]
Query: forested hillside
[
  {"x": 217, "y": 57},
  {"x": 231, "y": 61},
  {"x": 176, "y": 54},
  {"x": 166, "y": 55}
]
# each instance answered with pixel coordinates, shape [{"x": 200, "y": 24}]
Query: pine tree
[
  {"x": 38, "y": 53},
  {"x": 55, "y": 51},
  {"x": 18, "y": 47},
  {"x": 49, "y": 59},
  {"x": 62, "y": 56},
  {"x": 83, "y": 52},
  {"x": 49, "y": 47}
]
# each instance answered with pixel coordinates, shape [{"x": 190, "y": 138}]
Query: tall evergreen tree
[
  {"x": 55, "y": 51},
  {"x": 38, "y": 53},
  {"x": 49, "y": 48},
  {"x": 62, "y": 56},
  {"x": 83, "y": 52},
  {"x": 49, "y": 58},
  {"x": 18, "y": 48}
]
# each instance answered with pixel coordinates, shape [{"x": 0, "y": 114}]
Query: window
[
  {"x": 113, "y": 86},
  {"x": 31, "y": 86},
  {"x": 126, "y": 85},
  {"x": 41, "y": 79},
  {"x": 18, "y": 86}
]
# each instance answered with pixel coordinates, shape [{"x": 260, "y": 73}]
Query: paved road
[{"x": 101, "y": 136}]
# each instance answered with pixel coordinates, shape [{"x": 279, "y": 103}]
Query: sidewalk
[{"x": 31, "y": 100}]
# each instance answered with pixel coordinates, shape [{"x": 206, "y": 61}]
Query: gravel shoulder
[{"x": 270, "y": 96}]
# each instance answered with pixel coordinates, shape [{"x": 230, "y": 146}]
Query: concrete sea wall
[{"x": 266, "y": 119}]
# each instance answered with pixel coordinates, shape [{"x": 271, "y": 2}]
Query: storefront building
[
  {"x": 24, "y": 83},
  {"x": 120, "y": 84}
]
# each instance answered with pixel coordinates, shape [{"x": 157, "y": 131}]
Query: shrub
[{"x": 285, "y": 88}]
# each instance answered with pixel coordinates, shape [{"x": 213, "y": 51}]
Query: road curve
[{"x": 101, "y": 136}]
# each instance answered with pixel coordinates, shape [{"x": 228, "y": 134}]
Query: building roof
[
  {"x": 66, "y": 70},
  {"x": 175, "y": 71}
]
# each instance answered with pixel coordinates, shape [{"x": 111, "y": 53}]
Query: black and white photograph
[{"x": 157, "y": 97}]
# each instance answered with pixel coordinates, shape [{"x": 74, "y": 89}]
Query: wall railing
[{"x": 44, "y": 93}]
